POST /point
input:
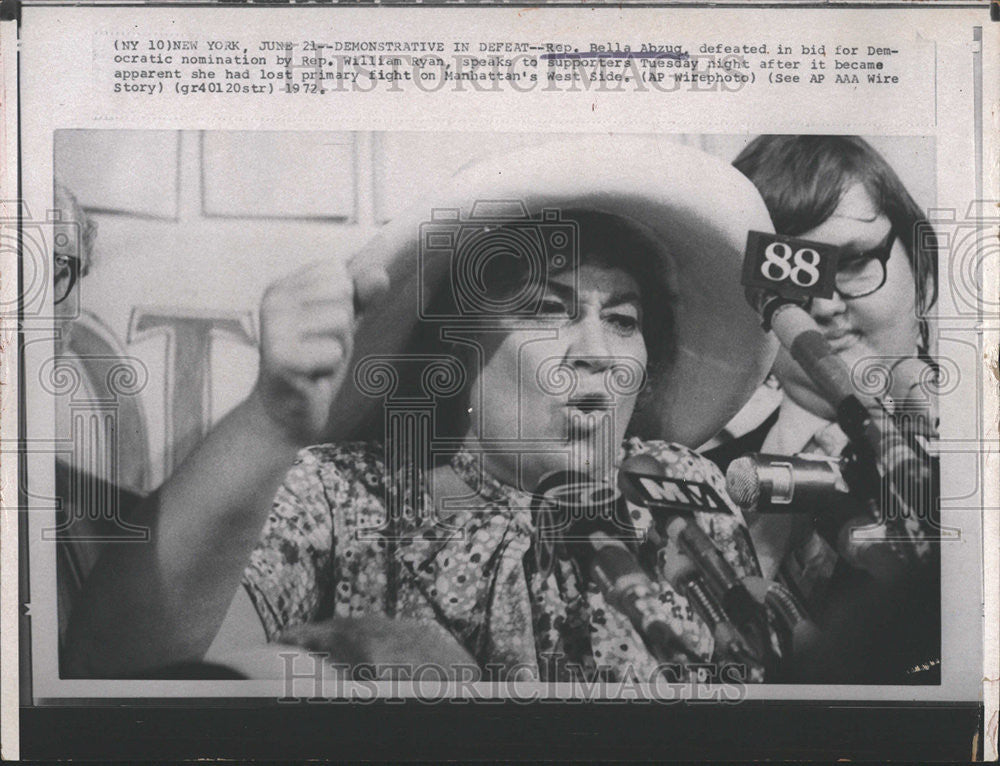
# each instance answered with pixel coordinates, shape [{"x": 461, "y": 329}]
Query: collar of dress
[{"x": 472, "y": 470}]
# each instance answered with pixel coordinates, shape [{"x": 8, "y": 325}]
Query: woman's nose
[
  {"x": 589, "y": 348},
  {"x": 827, "y": 308}
]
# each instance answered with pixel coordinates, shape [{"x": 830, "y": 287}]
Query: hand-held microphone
[
  {"x": 814, "y": 486},
  {"x": 626, "y": 587},
  {"x": 784, "y": 483},
  {"x": 595, "y": 532},
  {"x": 908, "y": 474},
  {"x": 730, "y": 645},
  {"x": 722, "y": 581}
]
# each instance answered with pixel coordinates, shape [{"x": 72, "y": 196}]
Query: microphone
[
  {"x": 729, "y": 642},
  {"x": 883, "y": 447},
  {"x": 784, "y": 483},
  {"x": 643, "y": 482},
  {"x": 911, "y": 381},
  {"x": 815, "y": 486},
  {"x": 722, "y": 581},
  {"x": 593, "y": 519},
  {"x": 738, "y": 622}
]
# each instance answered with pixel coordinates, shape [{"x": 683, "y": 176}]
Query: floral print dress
[{"x": 330, "y": 548}]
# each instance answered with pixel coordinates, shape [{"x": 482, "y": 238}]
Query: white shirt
[{"x": 796, "y": 430}]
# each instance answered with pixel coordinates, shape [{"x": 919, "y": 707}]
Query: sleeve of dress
[{"x": 285, "y": 577}]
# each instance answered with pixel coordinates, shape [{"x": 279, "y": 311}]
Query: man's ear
[{"x": 89, "y": 237}]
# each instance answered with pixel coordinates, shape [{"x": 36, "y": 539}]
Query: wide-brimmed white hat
[{"x": 698, "y": 208}]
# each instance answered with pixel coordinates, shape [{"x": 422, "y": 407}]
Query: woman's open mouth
[
  {"x": 590, "y": 403},
  {"x": 590, "y": 415}
]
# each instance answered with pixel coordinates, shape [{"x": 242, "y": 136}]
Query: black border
[{"x": 486, "y": 731}]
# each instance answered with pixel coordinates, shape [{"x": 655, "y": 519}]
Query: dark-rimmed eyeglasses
[
  {"x": 66, "y": 271},
  {"x": 862, "y": 273}
]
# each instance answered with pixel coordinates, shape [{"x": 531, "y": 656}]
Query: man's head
[{"x": 73, "y": 246}]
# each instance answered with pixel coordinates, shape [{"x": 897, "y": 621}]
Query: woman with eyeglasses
[{"x": 837, "y": 190}]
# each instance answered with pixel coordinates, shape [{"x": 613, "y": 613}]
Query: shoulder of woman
[
  {"x": 342, "y": 453},
  {"x": 678, "y": 461},
  {"x": 684, "y": 463},
  {"x": 362, "y": 462}
]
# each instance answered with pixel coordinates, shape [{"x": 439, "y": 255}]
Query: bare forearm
[
  {"x": 163, "y": 602},
  {"x": 150, "y": 604}
]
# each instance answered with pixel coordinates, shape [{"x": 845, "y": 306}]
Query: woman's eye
[
  {"x": 61, "y": 261},
  {"x": 551, "y": 307},
  {"x": 624, "y": 323}
]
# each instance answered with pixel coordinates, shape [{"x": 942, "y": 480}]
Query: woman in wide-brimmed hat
[{"x": 447, "y": 369}]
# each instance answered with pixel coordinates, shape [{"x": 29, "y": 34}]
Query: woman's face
[
  {"x": 562, "y": 386},
  {"x": 859, "y": 329}
]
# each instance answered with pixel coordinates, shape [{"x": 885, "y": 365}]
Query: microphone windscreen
[{"x": 743, "y": 482}]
